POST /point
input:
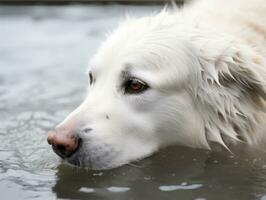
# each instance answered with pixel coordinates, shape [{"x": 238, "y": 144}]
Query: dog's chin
[
  {"x": 83, "y": 161},
  {"x": 88, "y": 166}
]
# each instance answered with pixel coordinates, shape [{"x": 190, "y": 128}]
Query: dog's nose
[{"x": 64, "y": 144}]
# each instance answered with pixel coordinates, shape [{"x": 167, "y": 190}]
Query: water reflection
[
  {"x": 174, "y": 173},
  {"x": 135, "y": 181}
]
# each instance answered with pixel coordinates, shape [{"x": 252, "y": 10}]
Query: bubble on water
[
  {"x": 184, "y": 183},
  {"x": 118, "y": 189},
  {"x": 98, "y": 174},
  {"x": 86, "y": 189},
  {"x": 167, "y": 188},
  {"x": 147, "y": 178}
]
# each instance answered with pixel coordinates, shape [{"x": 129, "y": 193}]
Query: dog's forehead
[
  {"x": 143, "y": 43},
  {"x": 122, "y": 69}
]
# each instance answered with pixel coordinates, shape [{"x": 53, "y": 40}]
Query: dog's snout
[{"x": 64, "y": 144}]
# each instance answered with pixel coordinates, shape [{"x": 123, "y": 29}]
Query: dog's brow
[{"x": 126, "y": 73}]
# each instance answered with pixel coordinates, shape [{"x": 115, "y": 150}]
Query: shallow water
[{"x": 43, "y": 57}]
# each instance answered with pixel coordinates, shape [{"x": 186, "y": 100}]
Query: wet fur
[{"x": 206, "y": 65}]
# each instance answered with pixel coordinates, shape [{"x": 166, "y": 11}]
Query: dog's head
[{"x": 154, "y": 83}]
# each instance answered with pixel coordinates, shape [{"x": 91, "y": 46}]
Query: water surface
[{"x": 43, "y": 57}]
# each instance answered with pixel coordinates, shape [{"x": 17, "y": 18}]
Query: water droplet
[
  {"x": 118, "y": 189},
  {"x": 167, "y": 188},
  {"x": 87, "y": 190}
]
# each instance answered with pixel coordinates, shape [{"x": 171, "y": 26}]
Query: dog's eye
[
  {"x": 91, "y": 78},
  {"x": 135, "y": 86}
]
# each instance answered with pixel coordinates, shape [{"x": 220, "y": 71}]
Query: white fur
[{"x": 206, "y": 68}]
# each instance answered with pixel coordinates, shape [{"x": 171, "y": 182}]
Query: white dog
[{"x": 193, "y": 77}]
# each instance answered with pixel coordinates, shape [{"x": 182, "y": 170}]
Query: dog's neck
[{"x": 231, "y": 93}]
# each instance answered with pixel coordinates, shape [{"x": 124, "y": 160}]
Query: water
[{"x": 43, "y": 57}]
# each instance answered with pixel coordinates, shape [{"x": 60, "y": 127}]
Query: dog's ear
[
  {"x": 232, "y": 87},
  {"x": 237, "y": 68}
]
